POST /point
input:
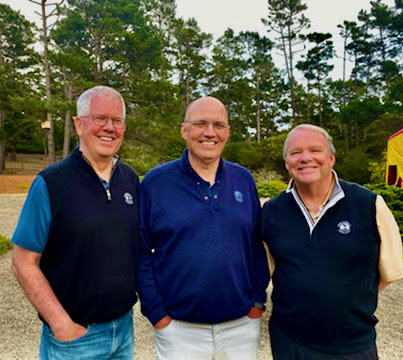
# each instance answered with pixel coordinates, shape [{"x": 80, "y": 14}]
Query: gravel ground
[{"x": 20, "y": 327}]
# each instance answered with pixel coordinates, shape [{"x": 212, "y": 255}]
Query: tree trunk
[
  {"x": 291, "y": 80},
  {"x": 2, "y": 143},
  {"x": 2, "y": 117},
  {"x": 67, "y": 124},
  {"x": 320, "y": 101},
  {"x": 46, "y": 66},
  {"x": 308, "y": 103},
  {"x": 344, "y": 70},
  {"x": 258, "y": 112}
]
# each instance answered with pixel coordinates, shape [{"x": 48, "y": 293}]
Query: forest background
[{"x": 160, "y": 62}]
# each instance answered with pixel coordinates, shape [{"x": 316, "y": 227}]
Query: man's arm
[
  {"x": 390, "y": 253},
  {"x": 25, "y": 265},
  {"x": 260, "y": 270},
  {"x": 151, "y": 302},
  {"x": 383, "y": 284}
]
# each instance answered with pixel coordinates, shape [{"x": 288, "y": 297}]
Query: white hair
[
  {"x": 311, "y": 127},
  {"x": 84, "y": 100}
]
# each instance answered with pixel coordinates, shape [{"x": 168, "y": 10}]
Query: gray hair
[
  {"x": 311, "y": 127},
  {"x": 84, "y": 100}
]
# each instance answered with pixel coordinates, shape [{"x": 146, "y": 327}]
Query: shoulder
[
  {"x": 353, "y": 189},
  {"x": 233, "y": 169},
  {"x": 55, "y": 168},
  {"x": 126, "y": 169},
  {"x": 162, "y": 172},
  {"x": 276, "y": 201}
]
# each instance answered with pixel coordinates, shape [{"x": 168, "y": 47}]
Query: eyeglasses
[
  {"x": 203, "y": 125},
  {"x": 102, "y": 120}
]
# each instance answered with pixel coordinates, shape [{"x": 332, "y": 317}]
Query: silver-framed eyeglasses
[
  {"x": 203, "y": 125},
  {"x": 102, "y": 120}
]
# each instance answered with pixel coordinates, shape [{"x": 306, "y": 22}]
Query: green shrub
[
  {"x": 270, "y": 189},
  {"x": 353, "y": 166},
  {"x": 393, "y": 197},
  {"x": 5, "y": 244},
  {"x": 139, "y": 159},
  {"x": 265, "y": 175}
]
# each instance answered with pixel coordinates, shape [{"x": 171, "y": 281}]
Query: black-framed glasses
[{"x": 102, "y": 120}]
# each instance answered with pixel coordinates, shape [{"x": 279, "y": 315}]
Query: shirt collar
[
  {"x": 337, "y": 190},
  {"x": 336, "y": 194},
  {"x": 187, "y": 168}
]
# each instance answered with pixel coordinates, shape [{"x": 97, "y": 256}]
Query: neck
[
  {"x": 102, "y": 166},
  {"x": 314, "y": 195},
  {"x": 207, "y": 171}
]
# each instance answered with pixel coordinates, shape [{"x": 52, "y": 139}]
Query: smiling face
[
  {"x": 205, "y": 142},
  {"x": 308, "y": 159},
  {"x": 99, "y": 143}
]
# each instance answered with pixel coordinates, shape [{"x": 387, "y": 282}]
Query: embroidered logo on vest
[
  {"x": 128, "y": 198},
  {"x": 238, "y": 196},
  {"x": 344, "y": 227}
]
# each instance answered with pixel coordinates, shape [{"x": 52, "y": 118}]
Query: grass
[{"x": 5, "y": 244}]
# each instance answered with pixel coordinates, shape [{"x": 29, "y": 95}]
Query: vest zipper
[
  {"x": 108, "y": 192},
  {"x": 115, "y": 160},
  {"x": 108, "y": 195}
]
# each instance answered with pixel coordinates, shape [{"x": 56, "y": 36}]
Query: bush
[
  {"x": 354, "y": 166},
  {"x": 5, "y": 244},
  {"x": 393, "y": 197},
  {"x": 265, "y": 175},
  {"x": 139, "y": 159},
  {"x": 270, "y": 189}
]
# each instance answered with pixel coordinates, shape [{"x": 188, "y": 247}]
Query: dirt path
[{"x": 20, "y": 327}]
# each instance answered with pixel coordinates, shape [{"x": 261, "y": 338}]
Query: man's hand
[
  {"x": 69, "y": 333},
  {"x": 255, "y": 313},
  {"x": 163, "y": 323}
]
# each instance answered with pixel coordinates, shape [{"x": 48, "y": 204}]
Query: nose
[
  {"x": 209, "y": 131},
  {"x": 305, "y": 156},
  {"x": 109, "y": 125}
]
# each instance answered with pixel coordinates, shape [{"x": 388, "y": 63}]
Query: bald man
[{"x": 203, "y": 269}]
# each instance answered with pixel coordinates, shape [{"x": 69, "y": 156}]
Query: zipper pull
[{"x": 108, "y": 195}]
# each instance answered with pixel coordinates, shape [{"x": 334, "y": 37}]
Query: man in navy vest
[
  {"x": 202, "y": 269},
  {"x": 75, "y": 244},
  {"x": 333, "y": 245}
]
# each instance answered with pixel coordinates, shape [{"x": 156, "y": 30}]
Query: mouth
[
  {"x": 106, "y": 138},
  {"x": 307, "y": 169},
  {"x": 208, "y": 144}
]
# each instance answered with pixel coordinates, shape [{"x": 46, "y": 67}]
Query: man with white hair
[
  {"x": 75, "y": 245},
  {"x": 333, "y": 245}
]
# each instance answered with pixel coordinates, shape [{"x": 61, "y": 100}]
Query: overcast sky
[{"x": 215, "y": 16}]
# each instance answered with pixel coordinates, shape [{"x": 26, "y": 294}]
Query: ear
[
  {"x": 333, "y": 159},
  {"x": 286, "y": 163},
  {"x": 184, "y": 131},
  {"x": 78, "y": 125}
]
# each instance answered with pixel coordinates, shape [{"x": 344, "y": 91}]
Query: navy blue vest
[
  {"x": 91, "y": 253},
  {"x": 325, "y": 283}
]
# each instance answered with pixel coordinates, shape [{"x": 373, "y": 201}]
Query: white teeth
[
  {"x": 106, "y": 138},
  {"x": 208, "y": 143}
]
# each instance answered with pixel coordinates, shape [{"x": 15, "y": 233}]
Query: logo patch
[
  {"x": 128, "y": 198},
  {"x": 238, "y": 196},
  {"x": 344, "y": 227}
]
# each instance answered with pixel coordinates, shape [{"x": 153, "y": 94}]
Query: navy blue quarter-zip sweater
[
  {"x": 325, "y": 283},
  {"x": 90, "y": 255},
  {"x": 202, "y": 258}
]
